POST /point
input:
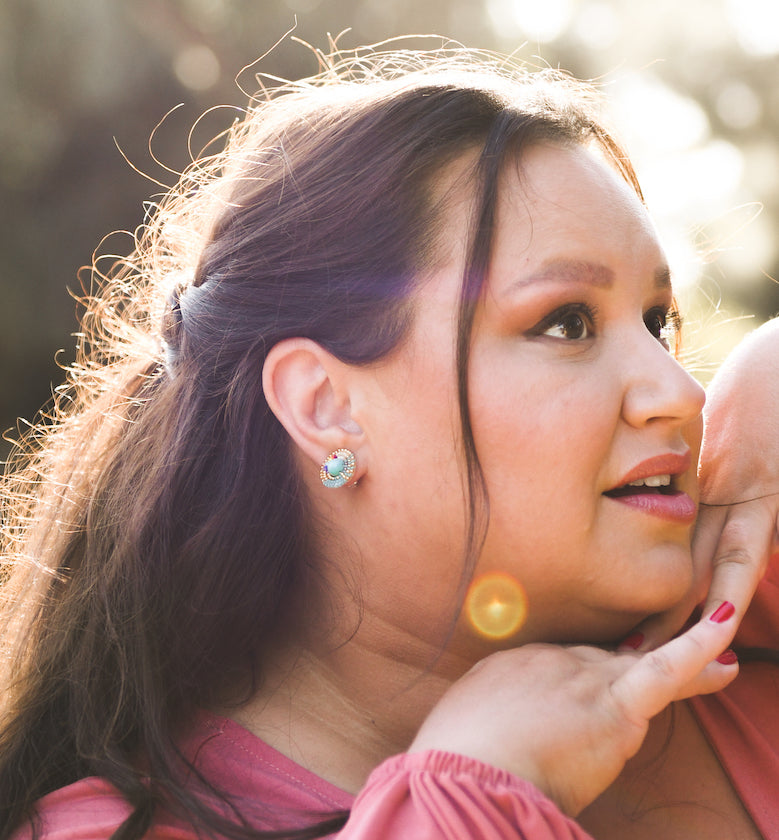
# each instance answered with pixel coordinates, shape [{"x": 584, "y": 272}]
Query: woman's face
[{"x": 574, "y": 398}]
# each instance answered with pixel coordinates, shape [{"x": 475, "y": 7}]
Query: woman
[{"x": 411, "y": 403}]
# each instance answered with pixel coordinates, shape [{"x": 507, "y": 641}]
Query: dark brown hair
[{"x": 155, "y": 528}]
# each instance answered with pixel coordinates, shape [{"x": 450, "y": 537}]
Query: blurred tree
[{"x": 692, "y": 82}]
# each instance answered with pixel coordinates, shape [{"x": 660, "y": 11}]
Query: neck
[{"x": 340, "y": 713}]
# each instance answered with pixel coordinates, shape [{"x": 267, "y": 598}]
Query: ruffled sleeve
[{"x": 443, "y": 796}]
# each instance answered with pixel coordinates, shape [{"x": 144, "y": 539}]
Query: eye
[
  {"x": 664, "y": 325},
  {"x": 574, "y": 322}
]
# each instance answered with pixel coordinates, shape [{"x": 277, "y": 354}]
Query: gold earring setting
[{"x": 338, "y": 468}]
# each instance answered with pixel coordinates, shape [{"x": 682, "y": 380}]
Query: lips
[
  {"x": 651, "y": 488},
  {"x": 669, "y": 463}
]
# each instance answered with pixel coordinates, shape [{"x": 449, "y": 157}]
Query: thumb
[{"x": 683, "y": 666}]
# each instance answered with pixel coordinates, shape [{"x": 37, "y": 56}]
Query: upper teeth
[{"x": 651, "y": 481}]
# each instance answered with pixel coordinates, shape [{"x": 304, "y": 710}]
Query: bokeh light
[
  {"x": 756, "y": 23},
  {"x": 496, "y": 605},
  {"x": 197, "y": 67},
  {"x": 539, "y": 22}
]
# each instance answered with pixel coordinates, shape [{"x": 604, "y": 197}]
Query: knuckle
[
  {"x": 738, "y": 528},
  {"x": 662, "y": 665},
  {"x": 734, "y": 556}
]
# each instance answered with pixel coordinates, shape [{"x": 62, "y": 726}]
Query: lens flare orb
[{"x": 496, "y": 605}]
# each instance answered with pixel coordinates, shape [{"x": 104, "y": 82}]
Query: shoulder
[{"x": 90, "y": 809}]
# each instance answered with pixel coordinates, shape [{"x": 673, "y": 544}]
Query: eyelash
[
  {"x": 665, "y": 329},
  {"x": 670, "y": 325},
  {"x": 585, "y": 313}
]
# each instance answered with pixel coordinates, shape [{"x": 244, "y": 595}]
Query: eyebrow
[{"x": 563, "y": 270}]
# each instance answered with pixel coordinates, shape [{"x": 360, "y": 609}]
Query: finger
[
  {"x": 708, "y": 529},
  {"x": 714, "y": 677},
  {"x": 658, "y": 629},
  {"x": 663, "y": 675},
  {"x": 741, "y": 555}
]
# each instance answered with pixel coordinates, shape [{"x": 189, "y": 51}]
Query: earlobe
[{"x": 307, "y": 389}]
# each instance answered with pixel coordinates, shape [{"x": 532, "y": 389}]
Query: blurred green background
[{"x": 693, "y": 87}]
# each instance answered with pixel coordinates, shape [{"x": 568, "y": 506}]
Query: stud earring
[{"x": 338, "y": 468}]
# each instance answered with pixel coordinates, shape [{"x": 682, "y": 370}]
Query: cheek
[
  {"x": 541, "y": 426},
  {"x": 415, "y": 441},
  {"x": 543, "y": 447}
]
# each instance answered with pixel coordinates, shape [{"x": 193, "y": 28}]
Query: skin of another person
[{"x": 573, "y": 394}]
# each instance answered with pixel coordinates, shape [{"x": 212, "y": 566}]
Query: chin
[
  {"x": 665, "y": 579},
  {"x": 609, "y": 626},
  {"x": 586, "y": 625}
]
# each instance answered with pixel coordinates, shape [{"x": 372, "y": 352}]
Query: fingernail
[
  {"x": 727, "y": 657},
  {"x": 723, "y": 612},
  {"x": 633, "y": 641}
]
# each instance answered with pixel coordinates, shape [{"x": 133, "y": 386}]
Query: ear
[{"x": 307, "y": 389}]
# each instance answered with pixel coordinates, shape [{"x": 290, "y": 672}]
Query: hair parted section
[{"x": 154, "y": 526}]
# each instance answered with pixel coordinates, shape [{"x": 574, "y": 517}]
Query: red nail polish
[
  {"x": 633, "y": 641},
  {"x": 727, "y": 657},
  {"x": 723, "y": 612}
]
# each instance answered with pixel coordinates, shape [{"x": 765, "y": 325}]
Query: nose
[{"x": 658, "y": 388}]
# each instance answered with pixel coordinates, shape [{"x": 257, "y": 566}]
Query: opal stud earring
[{"x": 338, "y": 468}]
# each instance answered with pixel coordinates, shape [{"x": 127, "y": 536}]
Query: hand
[
  {"x": 739, "y": 474},
  {"x": 737, "y": 524},
  {"x": 567, "y": 719}
]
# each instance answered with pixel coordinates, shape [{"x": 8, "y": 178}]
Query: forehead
[
  {"x": 548, "y": 197},
  {"x": 568, "y": 198},
  {"x": 558, "y": 211}
]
